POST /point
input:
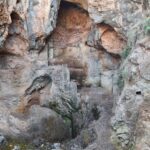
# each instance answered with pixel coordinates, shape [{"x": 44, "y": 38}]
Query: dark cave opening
[
  {"x": 3, "y": 61},
  {"x": 138, "y": 93},
  {"x": 15, "y": 16},
  {"x": 67, "y": 5},
  {"x": 18, "y": 1}
]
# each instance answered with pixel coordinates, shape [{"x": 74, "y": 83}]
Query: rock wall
[{"x": 76, "y": 69}]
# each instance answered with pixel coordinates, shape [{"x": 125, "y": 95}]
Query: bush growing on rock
[
  {"x": 120, "y": 81},
  {"x": 147, "y": 26},
  {"x": 126, "y": 52}
]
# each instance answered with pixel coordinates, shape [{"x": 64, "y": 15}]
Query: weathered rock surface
[
  {"x": 142, "y": 128},
  {"x": 28, "y": 120},
  {"x": 27, "y": 17},
  {"x": 67, "y": 66},
  {"x": 133, "y": 97}
]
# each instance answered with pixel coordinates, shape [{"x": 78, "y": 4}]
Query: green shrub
[
  {"x": 147, "y": 26},
  {"x": 120, "y": 82},
  {"x": 126, "y": 52},
  {"x": 123, "y": 75}
]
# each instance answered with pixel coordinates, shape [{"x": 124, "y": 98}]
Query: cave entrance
[
  {"x": 69, "y": 38},
  {"x": 85, "y": 48}
]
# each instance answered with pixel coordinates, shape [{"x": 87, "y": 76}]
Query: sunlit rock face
[
  {"x": 110, "y": 40},
  {"x": 68, "y": 66}
]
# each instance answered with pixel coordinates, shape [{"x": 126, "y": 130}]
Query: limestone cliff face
[{"x": 76, "y": 68}]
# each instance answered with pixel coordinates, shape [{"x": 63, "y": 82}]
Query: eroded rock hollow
[{"x": 74, "y": 74}]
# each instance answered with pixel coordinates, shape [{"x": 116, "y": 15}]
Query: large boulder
[{"x": 38, "y": 122}]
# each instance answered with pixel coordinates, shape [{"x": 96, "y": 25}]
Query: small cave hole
[
  {"x": 3, "y": 61},
  {"x": 66, "y": 5},
  {"x": 95, "y": 112},
  {"x": 15, "y": 16},
  {"x": 18, "y": 1},
  {"x": 138, "y": 93}
]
